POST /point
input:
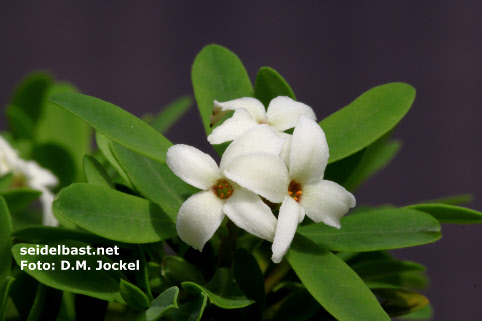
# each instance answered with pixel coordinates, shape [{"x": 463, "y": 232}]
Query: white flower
[
  {"x": 282, "y": 114},
  {"x": 29, "y": 173},
  {"x": 202, "y": 213},
  {"x": 301, "y": 189}
]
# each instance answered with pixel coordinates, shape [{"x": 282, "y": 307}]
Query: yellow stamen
[
  {"x": 295, "y": 198},
  {"x": 299, "y": 192},
  {"x": 290, "y": 192}
]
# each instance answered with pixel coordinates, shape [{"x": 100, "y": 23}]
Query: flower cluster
[
  {"x": 262, "y": 165},
  {"x": 29, "y": 174}
]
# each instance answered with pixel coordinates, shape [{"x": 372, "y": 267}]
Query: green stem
[
  {"x": 228, "y": 246},
  {"x": 276, "y": 275}
]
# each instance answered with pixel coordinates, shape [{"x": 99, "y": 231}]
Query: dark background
[{"x": 138, "y": 55}]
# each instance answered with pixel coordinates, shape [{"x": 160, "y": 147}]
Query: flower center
[
  {"x": 294, "y": 190},
  {"x": 223, "y": 189}
]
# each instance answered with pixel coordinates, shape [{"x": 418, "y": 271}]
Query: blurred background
[{"x": 138, "y": 55}]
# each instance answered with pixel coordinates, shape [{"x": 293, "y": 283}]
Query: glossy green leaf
[
  {"x": 407, "y": 280},
  {"x": 366, "y": 119},
  {"x": 5, "y": 240},
  {"x": 374, "y": 230},
  {"x": 425, "y": 313},
  {"x": 375, "y": 158},
  {"x": 374, "y": 269},
  {"x": 340, "y": 171},
  {"x": 95, "y": 173},
  {"x": 222, "y": 291},
  {"x": 20, "y": 198},
  {"x": 104, "y": 145},
  {"x": 166, "y": 301},
  {"x": 449, "y": 213},
  {"x": 177, "y": 270},
  {"x": 250, "y": 280},
  {"x": 142, "y": 275},
  {"x": 452, "y": 200},
  {"x": 115, "y": 123},
  {"x": 133, "y": 296},
  {"x": 19, "y": 123},
  {"x": 269, "y": 84},
  {"x": 171, "y": 114},
  {"x": 153, "y": 180},
  {"x": 46, "y": 305},
  {"x": 218, "y": 74},
  {"x": 5, "y": 181},
  {"x": 4, "y": 292},
  {"x": 191, "y": 311},
  {"x": 102, "y": 284},
  {"x": 58, "y": 126},
  {"x": 398, "y": 302},
  {"x": 58, "y": 160},
  {"x": 114, "y": 215},
  {"x": 298, "y": 306},
  {"x": 332, "y": 283}
]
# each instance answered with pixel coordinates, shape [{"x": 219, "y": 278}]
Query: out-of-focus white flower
[
  {"x": 301, "y": 189},
  {"x": 202, "y": 213},
  {"x": 282, "y": 114},
  {"x": 29, "y": 173}
]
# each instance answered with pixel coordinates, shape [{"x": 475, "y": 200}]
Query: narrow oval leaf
[
  {"x": 449, "y": 213},
  {"x": 59, "y": 160},
  {"x": 425, "y": 313},
  {"x": 218, "y": 74},
  {"x": 5, "y": 241},
  {"x": 5, "y": 181},
  {"x": 366, "y": 119},
  {"x": 222, "y": 291},
  {"x": 116, "y": 123},
  {"x": 177, "y": 270},
  {"x": 19, "y": 198},
  {"x": 4, "y": 292},
  {"x": 171, "y": 114},
  {"x": 398, "y": 302},
  {"x": 114, "y": 215},
  {"x": 166, "y": 301},
  {"x": 153, "y": 180},
  {"x": 332, "y": 283},
  {"x": 269, "y": 85},
  {"x": 104, "y": 145},
  {"x": 95, "y": 173},
  {"x": 20, "y": 124},
  {"x": 375, "y": 269},
  {"x": 374, "y": 230},
  {"x": 452, "y": 200},
  {"x": 133, "y": 296},
  {"x": 80, "y": 274},
  {"x": 46, "y": 305},
  {"x": 191, "y": 311}
]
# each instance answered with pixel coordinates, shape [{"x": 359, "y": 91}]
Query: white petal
[
  {"x": 326, "y": 201},
  {"x": 37, "y": 176},
  {"x": 262, "y": 173},
  {"x": 192, "y": 166},
  {"x": 232, "y": 127},
  {"x": 199, "y": 217},
  {"x": 252, "y": 105},
  {"x": 309, "y": 151},
  {"x": 7, "y": 153},
  {"x": 283, "y": 112},
  {"x": 288, "y": 219},
  {"x": 48, "y": 218},
  {"x": 262, "y": 138},
  {"x": 285, "y": 152},
  {"x": 248, "y": 211}
]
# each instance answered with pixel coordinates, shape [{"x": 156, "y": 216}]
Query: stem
[
  {"x": 276, "y": 275},
  {"x": 228, "y": 246}
]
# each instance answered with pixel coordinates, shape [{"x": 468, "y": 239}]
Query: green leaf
[
  {"x": 218, "y": 74},
  {"x": 5, "y": 181},
  {"x": 452, "y": 200},
  {"x": 19, "y": 123},
  {"x": 332, "y": 283},
  {"x": 171, "y": 114},
  {"x": 133, "y": 296},
  {"x": 95, "y": 173},
  {"x": 20, "y": 198},
  {"x": 153, "y": 180},
  {"x": 376, "y": 157},
  {"x": 23, "y": 292},
  {"x": 166, "y": 301},
  {"x": 398, "y": 302},
  {"x": 5, "y": 240},
  {"x": 114, "y": 215},
  {"x": 250, "y": 280},
  {"x": 366, "y": 119},
  {"x": 58, "y": 126},
  {"x": 58, "y": 160},
  {"x": 4, "y": 292},
  {"x": 449, "y": 213},
  {"x": 221, "y": 290},
  {"x": 340, "y": 171},
  {"x": 115, "y": 123},
  {"x": 425, "y": 313},
  {"x": 177, "y": 270},
  {"x": 101, "y": 284},
  {"x": 374, "y": 230},
  {"x": 298, "y": 306},
  {"x": 46, "y": 305},
  {"x": 375, "y": 269},
  {"x": 104, "y": 145},
  {"x": 191, "y": 311},
  {"x": 269, "y": 85}
]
